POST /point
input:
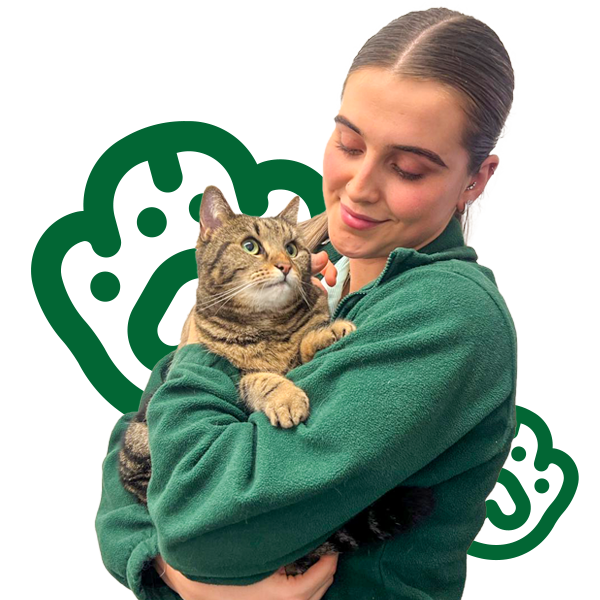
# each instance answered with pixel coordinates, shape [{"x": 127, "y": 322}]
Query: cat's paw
[
  {"x": 323, "y": 338},
  {"x": 342, "y": 328},
  {"x": 287, "y": 406}
]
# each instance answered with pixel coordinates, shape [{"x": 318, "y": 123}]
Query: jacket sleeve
[
  {"x": 234, "y": 498},
  {"x": 126, "y": 535}
]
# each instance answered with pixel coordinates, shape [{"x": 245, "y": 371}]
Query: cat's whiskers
[
  {"x": 251, "y": 284},
  {"x": 299, "y": 288},
  {"x": 309, "y": 284},
  {"x": 226, "y": 296},
  {"x": 226, "y": 292},
  {"x": 263, "y": 280}
]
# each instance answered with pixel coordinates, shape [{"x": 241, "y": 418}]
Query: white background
[{"x": 77, "y": 77}]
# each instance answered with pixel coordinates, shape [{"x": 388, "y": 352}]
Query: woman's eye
[
  {"x": 406, "y": 174},
  {"x": 291, "y": 249},
  {"x": 347, "y": 150},
  {"x": 251, "y": 246},
  {"x": 403, "y": 174}
]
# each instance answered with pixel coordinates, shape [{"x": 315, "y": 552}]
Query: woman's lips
[{"x": 353, "y": 220}]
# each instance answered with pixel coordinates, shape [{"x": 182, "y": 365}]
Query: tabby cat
[{"x": 257, "y": 307}]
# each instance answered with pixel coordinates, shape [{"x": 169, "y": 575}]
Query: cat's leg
[
  {"x": 280, "y": 399},
  {"x": 317, "y": 339}
]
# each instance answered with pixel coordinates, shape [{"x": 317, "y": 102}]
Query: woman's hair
[{"x": 458, "y": 51}]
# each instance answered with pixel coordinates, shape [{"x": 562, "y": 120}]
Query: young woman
[{"x": 421, "y": 394}]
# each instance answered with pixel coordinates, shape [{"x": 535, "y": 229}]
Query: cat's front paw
[
  {"x": 323, "y": 338},
  {"x": 342, "y": 328},
  {"x": 287, "y": 406}
]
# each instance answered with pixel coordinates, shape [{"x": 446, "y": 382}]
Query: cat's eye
[
  {"x": 291, "y": 249},
  {"x": 251, "y": 246}
]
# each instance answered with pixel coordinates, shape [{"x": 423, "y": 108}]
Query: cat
[{"x": 257, "y": 306}]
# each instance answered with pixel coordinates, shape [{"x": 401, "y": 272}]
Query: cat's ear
[
  {"x": 214, "y": 211},
  {"x": 290, "y": 212}
]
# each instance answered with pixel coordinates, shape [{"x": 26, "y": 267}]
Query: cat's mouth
[{"x": 280, "y": 282}]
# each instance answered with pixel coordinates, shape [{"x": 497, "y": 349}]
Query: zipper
[{"x": 361, "y": 293}]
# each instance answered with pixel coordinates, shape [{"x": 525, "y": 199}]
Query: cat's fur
[{"x": 263, "y": 314}]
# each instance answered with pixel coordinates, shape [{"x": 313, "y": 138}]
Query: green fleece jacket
[{"x": 421, "y": 394}]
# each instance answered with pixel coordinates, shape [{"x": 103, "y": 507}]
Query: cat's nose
[{"x": 285, "y": 267}]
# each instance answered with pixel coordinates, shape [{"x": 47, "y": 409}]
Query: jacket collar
[
  {"x": 449, "y": 244},
  {"x": 451, "y": 237}
]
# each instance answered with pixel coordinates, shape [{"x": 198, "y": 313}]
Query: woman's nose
[{"x": 362, "y": 187}]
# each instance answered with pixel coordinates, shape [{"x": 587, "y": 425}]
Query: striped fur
[
  {"x": 394, "y": 513},
  {"x": 263, "y": 314}
]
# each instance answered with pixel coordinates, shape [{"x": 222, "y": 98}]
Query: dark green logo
[{"x": 545, "y": 456}]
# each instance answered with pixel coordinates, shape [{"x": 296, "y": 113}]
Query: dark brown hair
[{"x": 460, "y": 52}]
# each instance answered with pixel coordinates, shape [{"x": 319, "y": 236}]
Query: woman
[{"x": 422, "y": 394}]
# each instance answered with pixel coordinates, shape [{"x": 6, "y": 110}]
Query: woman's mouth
[{"x": 355, "y": 220}]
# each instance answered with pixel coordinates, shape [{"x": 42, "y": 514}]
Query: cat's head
[{"x": 253, "y": 263}]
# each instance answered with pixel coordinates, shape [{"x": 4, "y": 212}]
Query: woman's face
[{"x": 409, "y": 197}]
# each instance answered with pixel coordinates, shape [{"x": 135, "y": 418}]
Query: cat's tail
[
  {"x": 397, "y": 511},
  {"x": 134, "y": 460},
  {"x": 394, "y": 513}
]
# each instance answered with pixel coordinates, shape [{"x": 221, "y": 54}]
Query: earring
[{"x": 470, "y": 187}]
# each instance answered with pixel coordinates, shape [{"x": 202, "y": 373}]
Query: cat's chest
[{"x": 275, "y": 351}]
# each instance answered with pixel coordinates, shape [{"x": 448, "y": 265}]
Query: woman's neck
[{"x": 365, "y": 270}]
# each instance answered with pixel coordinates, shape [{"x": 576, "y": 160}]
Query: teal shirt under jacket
[{"x": 421, "y": 394}]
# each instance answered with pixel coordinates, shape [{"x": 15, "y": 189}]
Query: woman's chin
[{"x": 350, "y": 245}]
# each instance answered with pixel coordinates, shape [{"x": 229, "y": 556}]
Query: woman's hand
[
  {"x": 320, "y": 263},
  {"x": 279, "y": 586}
]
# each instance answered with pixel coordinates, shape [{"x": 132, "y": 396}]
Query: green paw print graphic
[
  {"x": 531, "y": 524},
  {"x": 160, "y": 146}
]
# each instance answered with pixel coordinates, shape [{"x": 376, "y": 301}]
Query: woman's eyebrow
[{"x": 432, "y": 156}]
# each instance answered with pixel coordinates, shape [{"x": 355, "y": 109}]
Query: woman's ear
[{"x": 477, "y": 182}]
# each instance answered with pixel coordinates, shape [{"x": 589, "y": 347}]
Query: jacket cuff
[{"x": 142, "y": 578}]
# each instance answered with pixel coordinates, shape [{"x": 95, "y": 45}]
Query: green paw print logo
[
  {"x": 161, "y": 148},
  {"x": 540, "y": 468}
]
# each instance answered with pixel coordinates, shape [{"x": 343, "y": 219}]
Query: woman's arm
[
  {"x": 126, "y": 534},
  {"x": 234, "y": 498},
  {"x": 129, "y": 549},
  {"x": 312, "y": 585}
]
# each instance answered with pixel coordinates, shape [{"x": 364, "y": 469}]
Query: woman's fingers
[
  {"x": 320, "y": 263},
  {"x": 318, "y": 283},
  {"x": 326, "y": 565},
  {"x": 319, "y": 577},
  {"x": 312, "y": 585},
  {"x": 322, "y": 590}
]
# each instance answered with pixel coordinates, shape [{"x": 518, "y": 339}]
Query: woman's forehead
[{"x": 388, "y": 109}]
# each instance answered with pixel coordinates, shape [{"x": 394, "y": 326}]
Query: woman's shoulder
[
  {"x": 448, "y": 279},
  {"x": 472, "y": 283},
  {"x": 449, "y": 291},
  {"x": 463, "y": 278}
]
